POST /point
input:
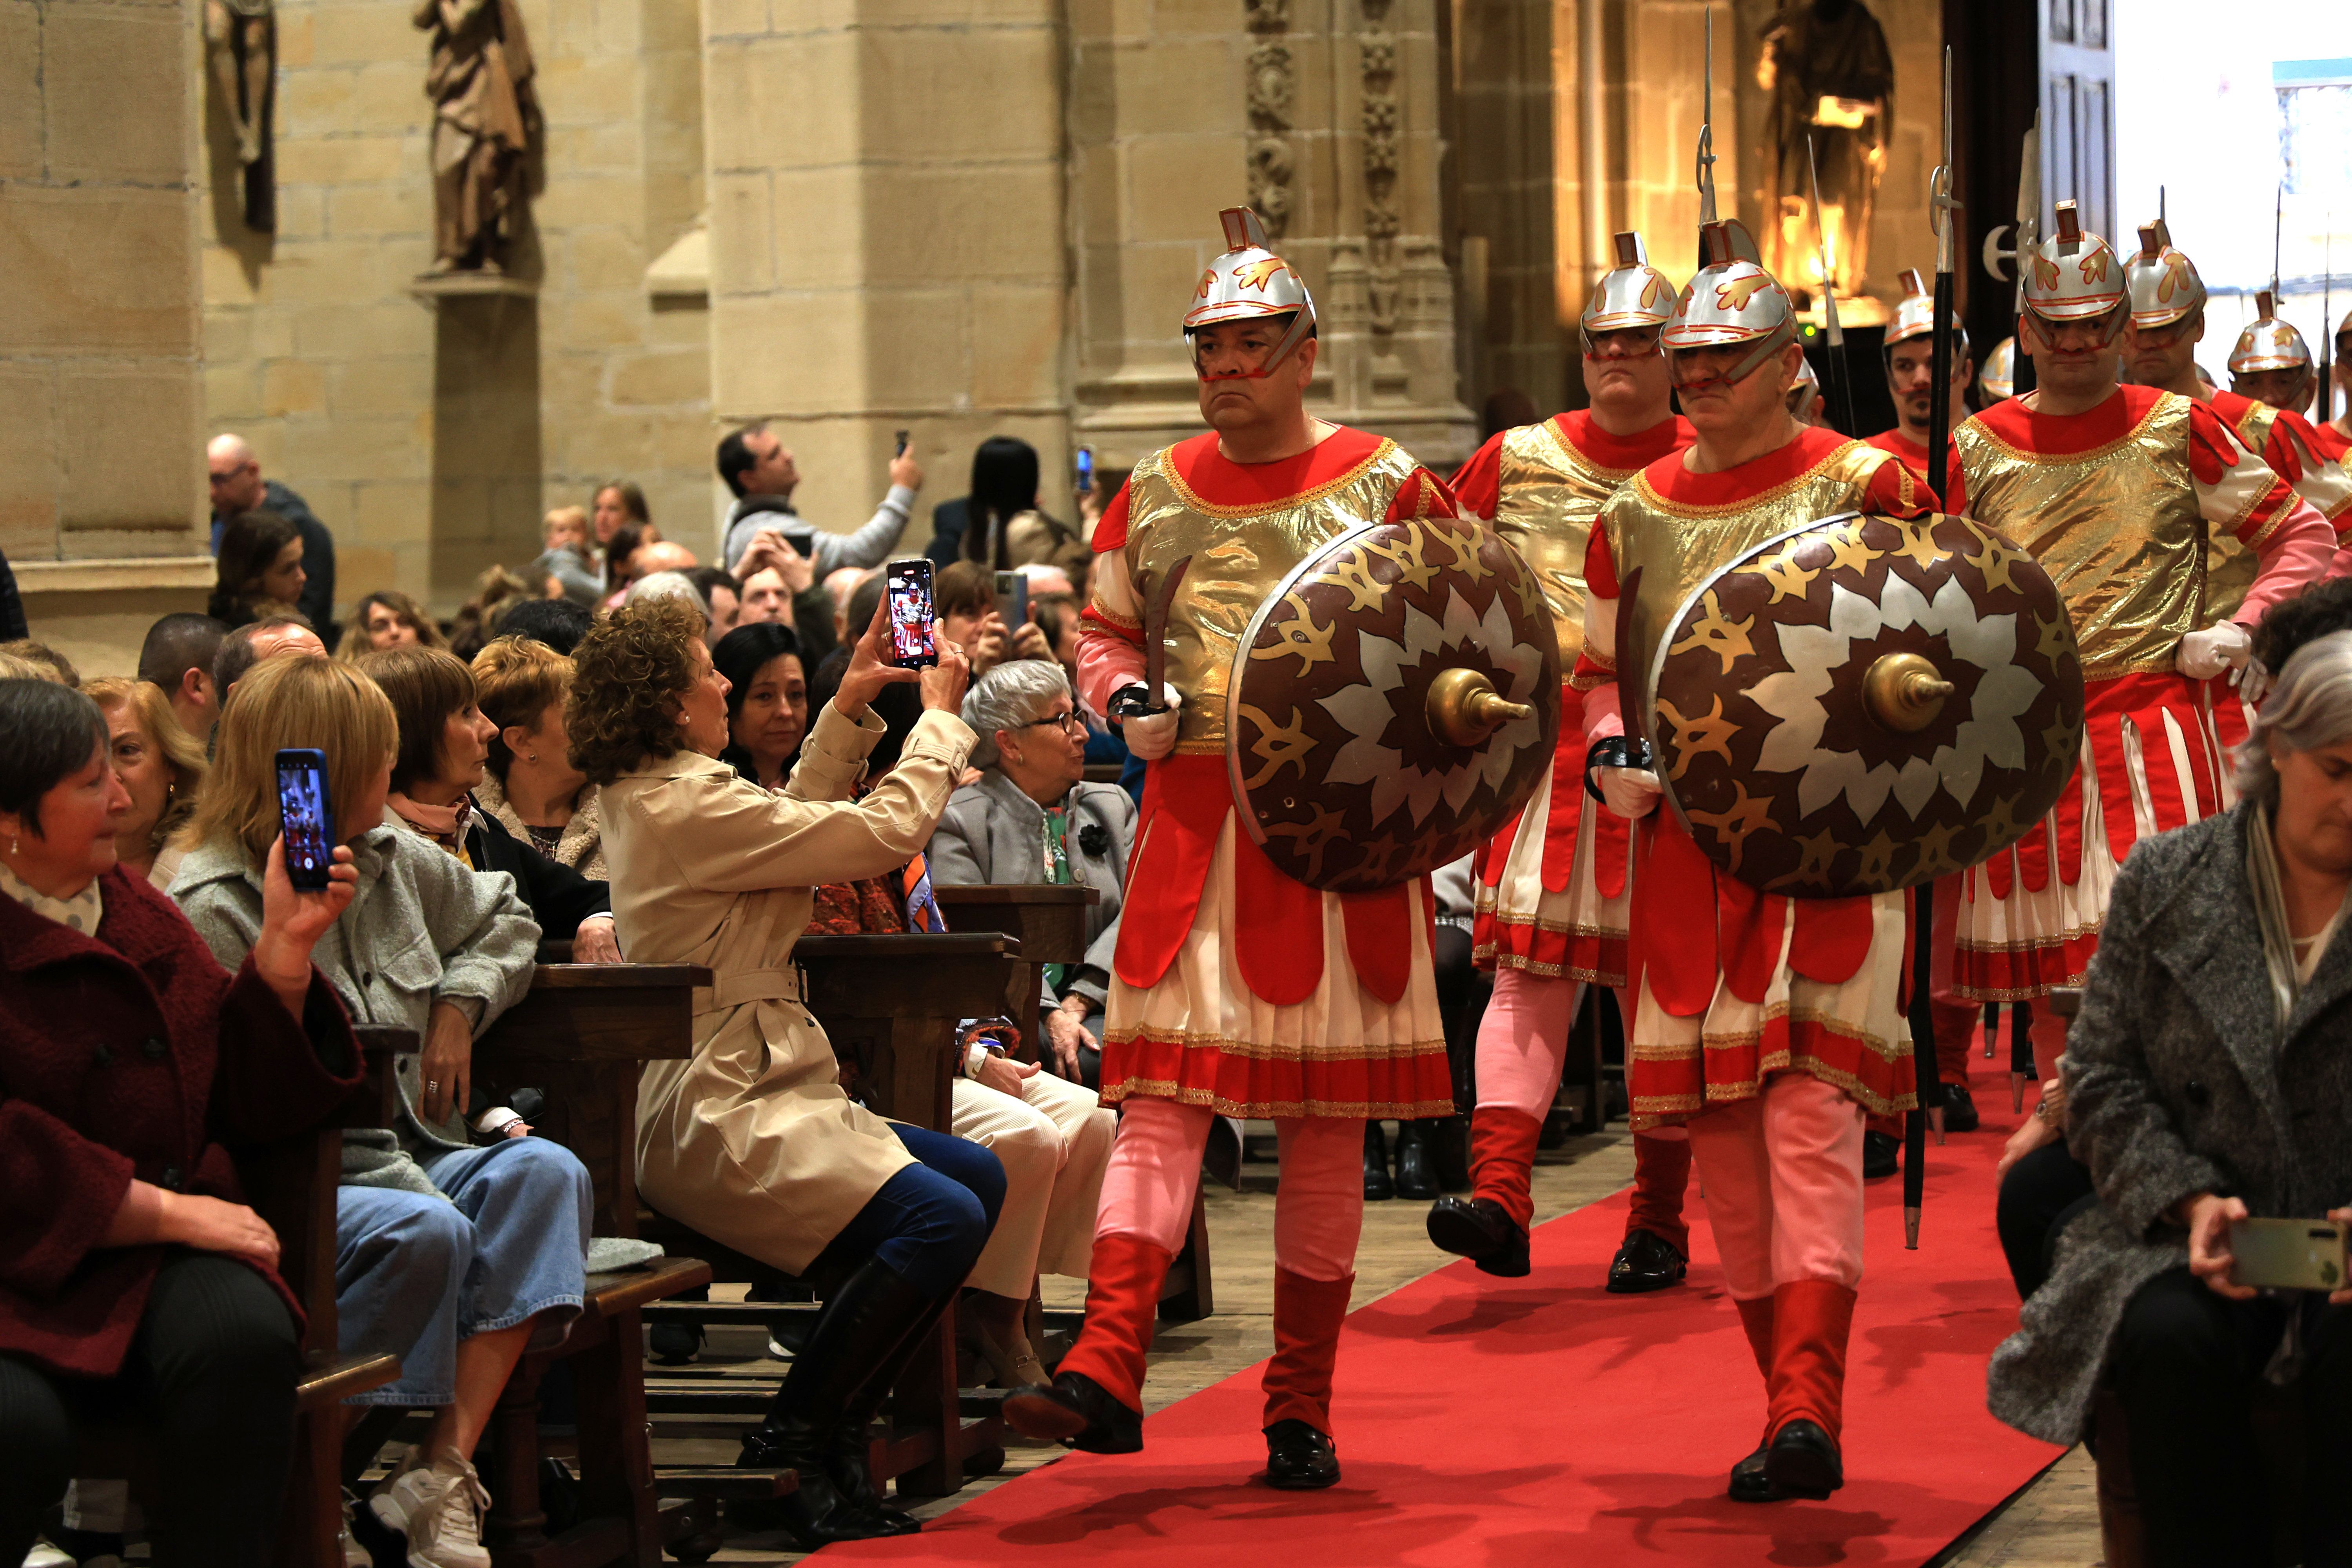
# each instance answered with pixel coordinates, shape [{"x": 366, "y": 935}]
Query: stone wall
[{"x": 428, "y": 434}]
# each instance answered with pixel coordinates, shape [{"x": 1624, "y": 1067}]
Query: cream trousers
[{"x": 1053, "y": 1141}]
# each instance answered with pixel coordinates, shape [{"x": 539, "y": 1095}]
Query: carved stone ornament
[{"x": 1272, "y": 91}]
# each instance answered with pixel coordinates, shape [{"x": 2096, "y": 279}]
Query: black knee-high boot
[{"x": 845, "y": 1459}]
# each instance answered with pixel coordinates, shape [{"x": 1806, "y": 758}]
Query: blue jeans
[
  {"x": 929, "y": 1221},
  {"x": 415, "y": 1275}
]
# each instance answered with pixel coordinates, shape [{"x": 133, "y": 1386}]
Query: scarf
[{"x": 444, "y": 825}]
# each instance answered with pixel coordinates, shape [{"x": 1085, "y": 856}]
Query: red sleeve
[
  {"x": 1110, "y": 531},
  {"x": 278, "y": 1074},
  {"x": 1423, "y": 494},
  {"x": 1478, "y": 483},
  {"x": 2213, "y": 448}
]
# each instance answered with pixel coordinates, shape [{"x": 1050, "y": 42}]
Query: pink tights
[
  {"x": 1523, "y": 1041},
  {"x": 1783, "y": 1176},
  {"x": 1155, "y": 1168}
]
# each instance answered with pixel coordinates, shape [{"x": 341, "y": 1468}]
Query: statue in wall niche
[
  {"x": 484, "y": 119},
  {"x": 1832, "y": 78},
  {"x": 241, "y": 41}
]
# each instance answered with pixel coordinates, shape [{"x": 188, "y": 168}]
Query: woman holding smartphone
[
  {"x": 133, "y": 1276},
  {"x": 2209, "y": 1079}
]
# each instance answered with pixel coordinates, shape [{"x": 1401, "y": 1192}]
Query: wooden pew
[
  {"x": 583, "y": 1034},
  {"x": 292, "y": 1183},
  {"x": 1050, "y": 924}
]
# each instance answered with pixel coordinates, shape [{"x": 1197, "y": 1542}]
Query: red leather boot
[
  {"x": 1300, "y": 1453},
  {"x": 1095, "y": 1402},
  {"x": 1490, "y": 1226}
]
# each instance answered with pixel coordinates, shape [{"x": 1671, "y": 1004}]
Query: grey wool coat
[
  {"x": 2179, "y": 1081},
  {"x": 994, "y": 832},
  {"x": 423, "y": 926}
]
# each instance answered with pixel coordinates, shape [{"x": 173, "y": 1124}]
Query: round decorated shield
[
  {"x": 1393, "y": 703},
  {"x": 1865, "y": 703}
]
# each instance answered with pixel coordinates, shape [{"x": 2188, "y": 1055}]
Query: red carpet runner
[{"x": 1543, "y": 1421}]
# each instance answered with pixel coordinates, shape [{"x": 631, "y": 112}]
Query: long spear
[
  {"x": 1706, "y": 170},
  {"x": 1941, "y": 211},
  {"x": 1839, "y": 382},
  {"x": 2327, "y": 321}
]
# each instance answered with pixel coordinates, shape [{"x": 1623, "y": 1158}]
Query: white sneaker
[{"x": 439, "y": 1510}]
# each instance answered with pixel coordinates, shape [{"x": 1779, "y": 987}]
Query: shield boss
[
  {"x": 1866, "y": 703},
  {"x": 1394, "y": 702}
]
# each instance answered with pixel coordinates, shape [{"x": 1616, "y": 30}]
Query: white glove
[
  {"x": 1153, "y": 736},
  {"x": 1629, "y": 792},
  {"x": 2254, "y": 682},
  {"x": 2204, "y": 655}
]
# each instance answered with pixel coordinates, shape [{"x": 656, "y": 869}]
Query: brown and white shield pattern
[
  {"x": 1394, "y": 702},
  {"x": 1865, "y": 703}
]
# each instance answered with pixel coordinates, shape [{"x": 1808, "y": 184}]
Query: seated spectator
[
  {"x": 260, "y": 571},
  {"x": 477, "y": 622},
  {"x": 531, "y": 786},
  {"x": 565, "y": 569},
  {"x": 177, "y": 659},
  {"x": 758, "y": 467},
  {"x": 723, "y": 594},
  {"x": 780, "y": 586},
  {"x": 621, "y": 560},
  {"x": 453, "y": 1256},
  {"x": 249, "y": 645},
  {"x": 388, "y": 619},
  {"x": 998, "y": 523},
  {"x": 122, "y": 1295},
  {"x": 558, "y": 623},
  {"x": 752, "y": 1141},
  {"x": 445, "y": 744},
  {"x": 767, "y": 702},
  {"x": 964, "y": 594},
  {"x": 2209, "y": 1078},
  {"x": 617, "y": 504},
  {"x": 15, "y": 668},
  {"x": 162, "y": 768},
  {"x": 238, "y": 487},
  {"x": 1032, "y": 817},
  {"x": 56, "y": 665}
]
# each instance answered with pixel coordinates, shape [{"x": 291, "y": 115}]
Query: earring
[{"x": 532, "y": 757}]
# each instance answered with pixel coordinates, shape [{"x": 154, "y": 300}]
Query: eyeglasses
[{"x": 1066, "y": 721}]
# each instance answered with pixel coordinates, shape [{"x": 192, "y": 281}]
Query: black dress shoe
[
  {"x": 1646, "y": 1262},
  {"x": 1077, "y": 1411},
  {"x": 675, "y": 1345},
  {"x": 1478, "y": 1229},
  {"x": 1959, "y": 1108},
  {"x": 1298, "y": 1459},
  {"x": 1378, "y": 1186},
  {"x": 1416, "y": 1172},
  {"x": 1804, "y": 1461},
  {"x": 1750, "y": 1484},
  {"x": 1880, "y": 1155}
]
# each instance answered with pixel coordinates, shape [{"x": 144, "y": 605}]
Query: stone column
[
  {"x": 887, "y": 248},
  {"x": 102, "y": 458}
]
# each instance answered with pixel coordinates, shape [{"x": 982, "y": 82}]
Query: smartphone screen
[
  {"x": 1011, "y": 599},
  {"x": 908, "y": 590},
  {"x": 304, "y": 818},
  {"x": 1086, "y": 470}
]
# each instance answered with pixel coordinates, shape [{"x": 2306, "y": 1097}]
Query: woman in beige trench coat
[{"x": 751, "y": 1140}]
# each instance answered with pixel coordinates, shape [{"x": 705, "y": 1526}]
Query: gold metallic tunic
[
  {"x": 1239, "y": 555},
  {"x": 2118, "y": 528},
  {"x": 1550, "y": 494},
  {"x": 1675, "y": 546}
]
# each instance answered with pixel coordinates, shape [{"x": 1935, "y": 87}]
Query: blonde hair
[
  {"x": 305, "y": 702},
  {"x": 516, "y": 679},
  {"x": 574, "y": 518},
  {"x": 185, "y": 758}
]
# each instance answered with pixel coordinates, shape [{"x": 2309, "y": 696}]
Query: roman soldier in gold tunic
[
  {"x": 1767, "y": 1026},
  {"x": 2118, "y": 491},
  {"x": 1236, "y": 991},
  {"x": 1552, "y": 889}
]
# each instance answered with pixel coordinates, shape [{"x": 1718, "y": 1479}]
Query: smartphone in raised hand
[
  {"x": 2287, "y": 1254},
  {"x": 906, "y": 591},
  {"x": 1012, "y": 600},
  {"x": 1086, "y": 470},
  {"x": 304, "y": 818}
]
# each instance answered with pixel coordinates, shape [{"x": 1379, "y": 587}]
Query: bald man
[
  {"x": 662, "y": 555},
  {"x": 237, "y": 486}
]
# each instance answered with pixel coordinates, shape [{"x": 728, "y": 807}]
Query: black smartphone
[
  {"x": 305, "y": 818},
  {"x": 902, "y": 444},
  {"x": 1012, "y": 600},
  {"x": 907, "y": 591},
  {"x": 1086, "y": 470}
]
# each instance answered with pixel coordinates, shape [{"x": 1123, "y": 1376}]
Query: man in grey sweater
[{"x": 759, "y": 469}]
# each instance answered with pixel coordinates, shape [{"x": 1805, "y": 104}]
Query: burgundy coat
[{"x": 132, "y": 1055}]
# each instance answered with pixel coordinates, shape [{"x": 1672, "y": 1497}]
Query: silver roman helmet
[
  {"x": 2072, "y": 276},
  {"x": 1631, "y": 295},
  {"x": 1250, "y": 280},
  {"x": 2162, "y": 281},
  {"x": 1999, "y": 378},
  {"x": 1732, "y": 300},
  {"x": 1915, "y": 317},
  {"x": 2269, "y": 343}
]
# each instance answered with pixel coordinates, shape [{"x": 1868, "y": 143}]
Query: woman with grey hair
[
  {"x": 1032, "y": 817},
  {"x": 2209, "y": 1079}
]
